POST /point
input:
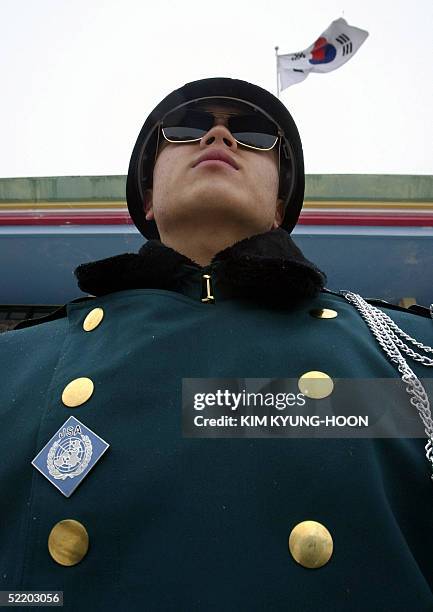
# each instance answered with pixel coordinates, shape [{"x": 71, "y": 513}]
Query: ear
[
  {"x": 279, "y": 214},
  {"x": 148, "y": 204}
]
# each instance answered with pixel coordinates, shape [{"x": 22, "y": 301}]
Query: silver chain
[{"x": 386, "y": 333}]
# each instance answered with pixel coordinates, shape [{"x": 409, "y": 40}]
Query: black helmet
[{"x": 292, "y": 177}]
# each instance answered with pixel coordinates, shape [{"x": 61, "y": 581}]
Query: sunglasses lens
[
  {"x": 181, "y": 133},
  {"x": 183, "y": 125},
  {"x": 253, "y": 130},
  {"x": 256, "y": 139}
]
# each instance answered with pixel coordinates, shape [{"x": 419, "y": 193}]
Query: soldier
[{"x": 163, "y": 521}]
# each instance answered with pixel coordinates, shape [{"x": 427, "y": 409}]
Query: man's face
[{"x": 184, "y": 193}]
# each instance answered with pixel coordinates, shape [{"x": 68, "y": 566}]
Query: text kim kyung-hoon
[{"x": 292, "y": 420}]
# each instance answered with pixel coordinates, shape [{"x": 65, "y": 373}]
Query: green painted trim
[
  {"x": 63, "y": 188},
  {"x": 392, "y": 187}
]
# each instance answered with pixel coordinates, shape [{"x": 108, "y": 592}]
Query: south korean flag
[{"x": 334, "y": 47}]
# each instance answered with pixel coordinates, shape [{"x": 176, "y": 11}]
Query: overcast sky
[{"x": 79, "y": 77}]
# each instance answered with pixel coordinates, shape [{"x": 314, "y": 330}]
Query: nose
[{"x": 219, "y": 134}]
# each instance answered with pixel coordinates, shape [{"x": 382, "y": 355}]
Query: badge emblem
[{"x": 69, "y": 455}]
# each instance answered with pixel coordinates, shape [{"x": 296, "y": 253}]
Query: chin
[
  {"x": 221, "y": 205},
  {"x": 221, "y": 197}
]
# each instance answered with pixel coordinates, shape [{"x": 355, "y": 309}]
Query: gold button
[
  {"x": 310, "y": 544},
  {"x": 324, "y": 313},
  {"x": 93, "y": 319},
  {"x": 68, "y": 542},
  {"x": 315, "y": 384},
  {"x": 77, "y": 392}
]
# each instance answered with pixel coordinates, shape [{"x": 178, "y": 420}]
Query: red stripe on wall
[
  {"x": 70, "y": 218},
  {"x": 306, "y": 218},
  {"x": 396, "y": 219}
]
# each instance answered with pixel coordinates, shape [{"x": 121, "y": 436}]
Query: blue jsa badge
[{"x": 69, "y": 456}]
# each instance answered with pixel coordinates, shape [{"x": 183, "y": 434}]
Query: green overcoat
[{"x": 185, "y": 524}]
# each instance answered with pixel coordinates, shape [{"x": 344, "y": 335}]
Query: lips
[{"x": 218, "y": 156}]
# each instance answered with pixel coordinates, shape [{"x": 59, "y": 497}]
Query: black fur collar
[{"x": 266, "y": 267}]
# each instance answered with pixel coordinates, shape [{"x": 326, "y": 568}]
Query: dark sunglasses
[{"x": 249, "y": 130}]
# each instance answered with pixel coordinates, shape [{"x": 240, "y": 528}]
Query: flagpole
[{"x": 278, "y": 84}]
